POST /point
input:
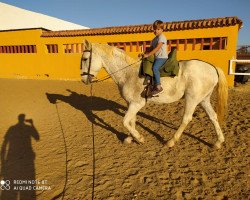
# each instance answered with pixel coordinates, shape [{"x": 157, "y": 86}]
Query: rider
[{"x": 158, "y": 48}]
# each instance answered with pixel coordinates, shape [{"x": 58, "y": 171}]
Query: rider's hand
[{"x": 141, "y": 55}]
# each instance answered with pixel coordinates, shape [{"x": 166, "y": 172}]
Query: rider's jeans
[{"x": 156, "y": 67}]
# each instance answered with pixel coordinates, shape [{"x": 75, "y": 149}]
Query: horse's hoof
[
  {"x": 128, "y": 140},
  {"x": 141, "y": 140},
  {"x": 217, "y": 145},
  {"x": 170, "y": 143}
]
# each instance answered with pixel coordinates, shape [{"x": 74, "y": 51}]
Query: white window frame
[{"x": 231, "y": 72}]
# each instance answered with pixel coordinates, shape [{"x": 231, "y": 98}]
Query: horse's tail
[{"x": 222, "y": 95}]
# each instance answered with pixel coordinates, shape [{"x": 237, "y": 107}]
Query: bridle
[
  {"x": 88, "y": 74},
  {"x": 91, "y": 76}
]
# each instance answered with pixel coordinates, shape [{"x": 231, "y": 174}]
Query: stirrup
[
  {"x": 147, "y": 91},
  {"x": 147, "y": 80}
]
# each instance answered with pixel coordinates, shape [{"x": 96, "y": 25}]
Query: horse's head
[{"x": 91, "y": 63}]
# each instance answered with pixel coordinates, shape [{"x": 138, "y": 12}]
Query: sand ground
[{"x": 75, "y": 148}]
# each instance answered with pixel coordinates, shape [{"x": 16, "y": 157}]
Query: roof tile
[{"x": 168, "y": 26}]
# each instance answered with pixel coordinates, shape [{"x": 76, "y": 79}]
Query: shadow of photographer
[{"x": 18, "y": 158}]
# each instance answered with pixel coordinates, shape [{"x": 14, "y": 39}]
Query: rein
[
  {"x": 89, "y": 80},
  {"x": 109, "y": 75}
]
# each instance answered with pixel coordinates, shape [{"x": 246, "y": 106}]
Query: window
[
  {"x": 188, "y": 44},
  {"x": 73, "y": 48},
  {"x": 132, "y": 46},
  {"x": 52, "y": 48},
  {"x": 18, "y": 49}
]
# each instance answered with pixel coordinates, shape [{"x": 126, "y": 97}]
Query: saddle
[{"x": 170, "y": 68}]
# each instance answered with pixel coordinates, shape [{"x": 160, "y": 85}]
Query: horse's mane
[{"x": 115, "y": 52}]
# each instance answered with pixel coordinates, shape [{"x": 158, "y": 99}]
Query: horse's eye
[{"x": 85, "y": 59}]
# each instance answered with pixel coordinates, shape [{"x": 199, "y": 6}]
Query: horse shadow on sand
[{"x": 89, "y": 104}]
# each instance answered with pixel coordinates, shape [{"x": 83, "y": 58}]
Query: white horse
[{"x": 195, "y": 83}]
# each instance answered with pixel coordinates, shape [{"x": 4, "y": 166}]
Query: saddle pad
[{"x": 170, "y": 68}]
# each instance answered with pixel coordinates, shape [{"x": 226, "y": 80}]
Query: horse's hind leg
[
  {"x": 213, "y": 117},
  {"x": 130, "y": 120},
  {"x": 187, "y": 117}
]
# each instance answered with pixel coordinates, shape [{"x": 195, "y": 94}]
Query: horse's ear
[{"x": 86, "y": 44}]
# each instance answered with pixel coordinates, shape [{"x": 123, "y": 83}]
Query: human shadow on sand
[
  {"x": 17, "y": 160},
  {"x": 88, "y": 104}
]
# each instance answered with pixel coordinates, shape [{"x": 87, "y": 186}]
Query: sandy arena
[{"x": 67, "y": 160}]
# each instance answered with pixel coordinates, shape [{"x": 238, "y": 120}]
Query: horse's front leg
[{"x": 130, "y": 121}]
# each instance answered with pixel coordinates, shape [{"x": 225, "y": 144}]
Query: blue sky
[{"x": 105, "y": 13}]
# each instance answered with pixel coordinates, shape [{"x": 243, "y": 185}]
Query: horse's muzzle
[{"x": 87, "y": 78}]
